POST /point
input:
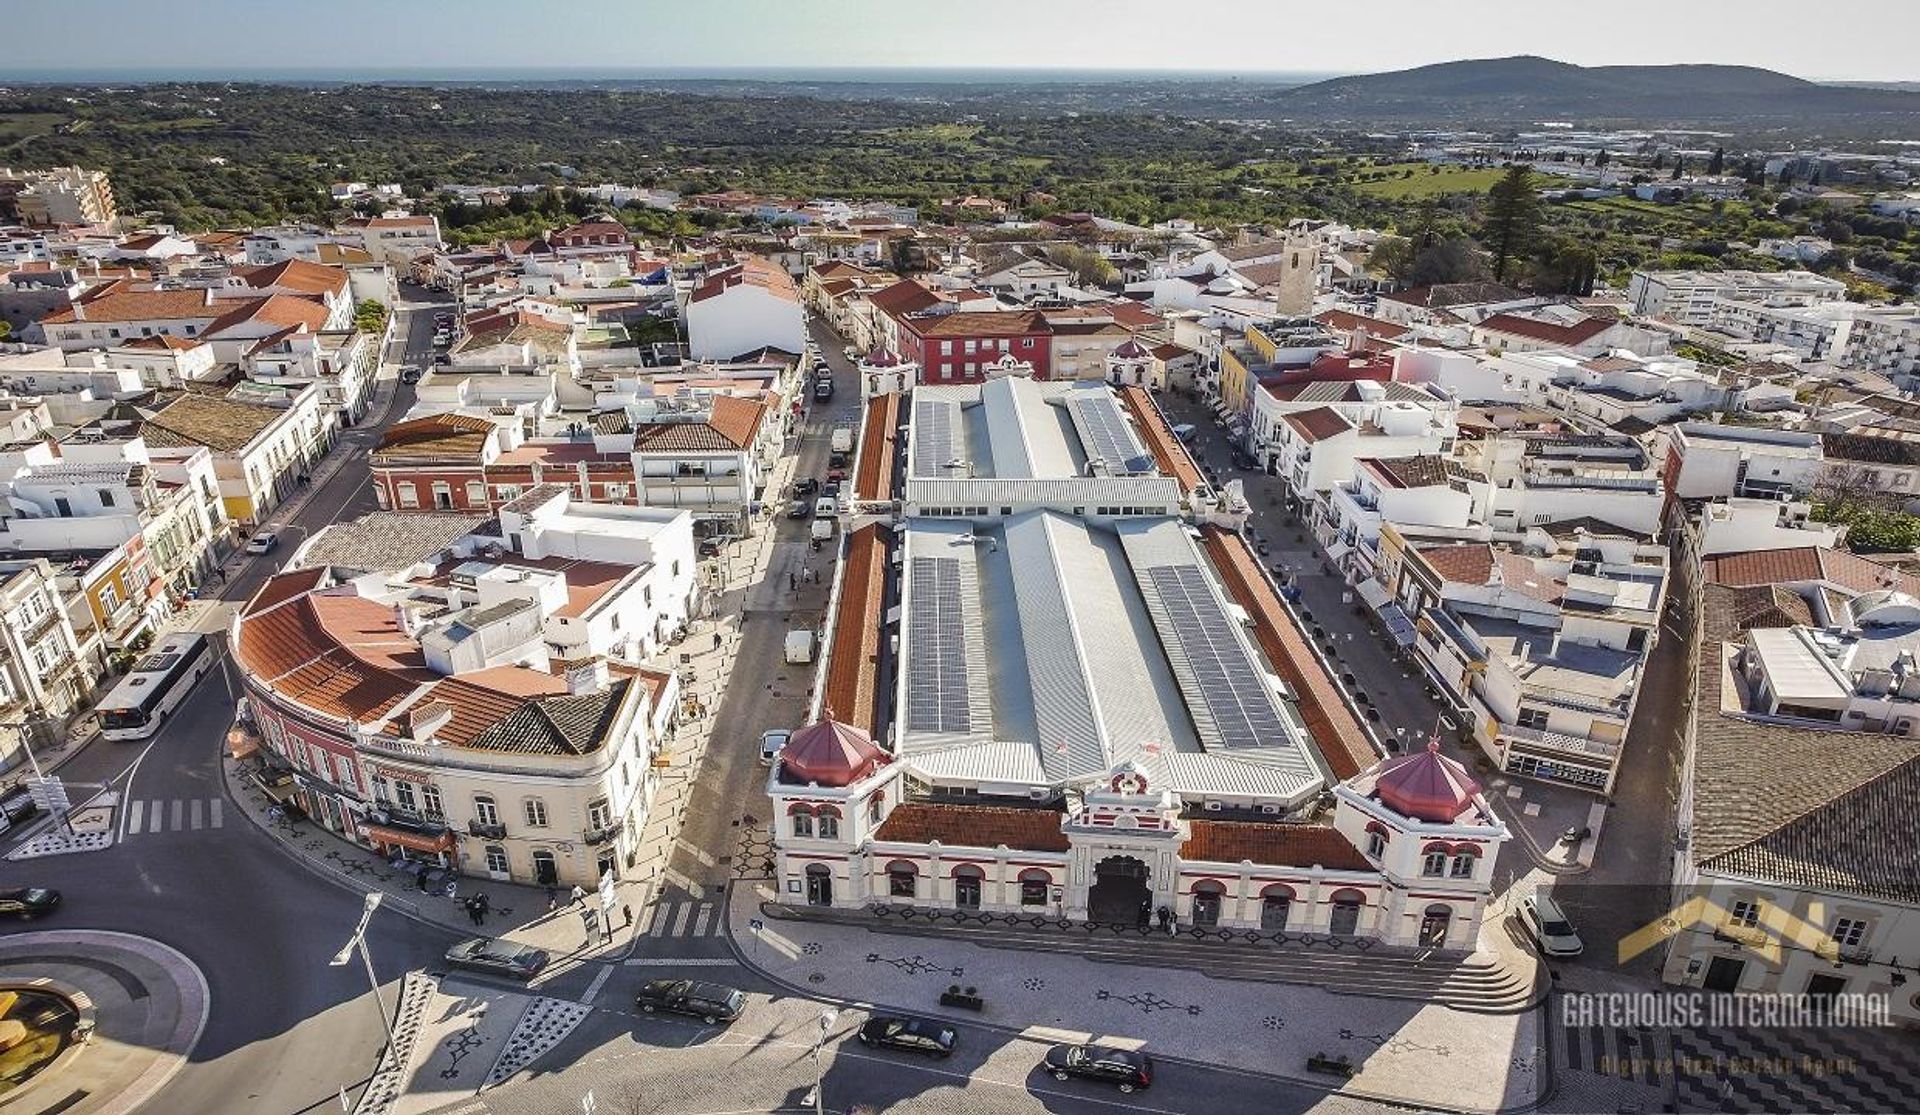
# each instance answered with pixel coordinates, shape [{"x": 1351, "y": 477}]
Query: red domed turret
[
  {"x": 1131, "y": 350},
  {"x": 831, "y": 754},
  {"x": 1426, "y": 786}
]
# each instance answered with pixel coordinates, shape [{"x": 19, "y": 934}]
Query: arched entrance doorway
[
  {"x": 1345, "y": 921},
  {"x": 1433, "y": 926},
  {"x": 1119, "y": 894},
  {"x": 819, "y": 885},
  {"x": 1207, "y": 896},
  {"x": 966, "y": 887},
  {"x": 1276, "y": 903},
  {"x": 545, "y": 873}
]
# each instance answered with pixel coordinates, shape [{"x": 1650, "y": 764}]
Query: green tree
[
  {"x": 1718, "y": 164},
  {"x": 1392, "y": 256},
  {"x": 1513, "y": 218}
]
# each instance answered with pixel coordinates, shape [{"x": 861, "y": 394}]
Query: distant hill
[{"x": 1526, "y": 89}]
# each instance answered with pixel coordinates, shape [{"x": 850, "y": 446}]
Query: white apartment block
[
  {"x": 1688, "y": 297},
  {"x": 1707, "y": 461}
]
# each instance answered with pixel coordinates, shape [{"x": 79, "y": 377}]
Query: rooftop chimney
[{"x": 588, "y": 677}]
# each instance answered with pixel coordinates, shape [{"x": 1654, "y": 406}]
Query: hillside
[{"x": 1526, "y": 89}]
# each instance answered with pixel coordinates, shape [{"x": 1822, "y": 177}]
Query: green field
[
  {"x": 1425, "y": 183},
  {"x": 15, "y": 126}
]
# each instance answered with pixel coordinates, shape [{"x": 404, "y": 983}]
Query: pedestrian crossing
[
  {"x": 684, "y": 919},
  {"x": 154, "y": 815}
]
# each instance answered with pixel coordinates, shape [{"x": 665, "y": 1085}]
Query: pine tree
[
  {"x": 1513, "y": 218},
  {"x": 1718, "y": 164}
]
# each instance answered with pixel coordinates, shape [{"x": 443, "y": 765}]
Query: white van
[{"x": 799, "y": 647}]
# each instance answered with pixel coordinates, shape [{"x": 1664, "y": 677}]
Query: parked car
[
  {"x": 770, "y": 744},
  {"x": 1185, "y": 431},
  {"x": 799, "y": 509},
  {"x": 442, "y": 358},
  {"x": 1126, "y": 1069},
  {"x": 838, "y": 459},
  {"x": 711, "y": 1003},
  {"x": 28, "y": 903},
  {"x": 18, "y": 806},
  {"x": 1548, "y": 925},
  {"x": 822, "y": 390},
  {"x": 806, "y": 486},
  {"x": 831, "y": 489},
  {"x": 262, "y": 542},
  {"x": 711, "y": 547},
  {"x": 915, "y": 1035},
  {"x": 825, "y": 506},
  {"x": 498, "y": 958},
  {"x": 409, "y": 375}
]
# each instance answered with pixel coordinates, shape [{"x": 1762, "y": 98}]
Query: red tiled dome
[
  {"x": 1426, "y": 786},
  {"x": 831, "y": 754},
  {"x": 1131, "y": 350}
]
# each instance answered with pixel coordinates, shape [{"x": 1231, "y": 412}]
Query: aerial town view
[{"x": 1078, "y": 557}]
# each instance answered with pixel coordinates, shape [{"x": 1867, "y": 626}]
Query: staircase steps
[{"x": 1476, "y": 983}]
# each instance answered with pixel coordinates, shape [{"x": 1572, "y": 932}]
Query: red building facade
[{"x": 958, "y": 347}]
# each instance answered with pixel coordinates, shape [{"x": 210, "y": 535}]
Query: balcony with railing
[
  {"x": 1561, "y": 742},
  {"x": 485, "y": 831}
]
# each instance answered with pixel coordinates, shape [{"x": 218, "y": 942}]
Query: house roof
[
  {"x": 1319, "y": 423},
  {"x": 1255, "y": 249},
  {"x": 296, "y": 275},
  {"x": 560, "y": 725},
  {"x": 1346, "y": 322},
  {"x": 903, "y": 297},
  {"x": 436, "y": 435},
  {"x": 1518, "y": 325},
  {"x": 984, "y": 323},
  {"x": 1768, "y": 606},
  {"x": 1272, "y": 844},
  {"x": 117, "y": 303},
  {"x": 733, "y": 424},
  {"x": 340, "y": 654},
  {"x": 853, "y": 663},
  {"x": 386, "y": 540},
  {"x": 1169, "y": 454},
  {"x": 1468, "y": 563},
  {"x": 219, "y": 424},
  {"x": 873, "y": 476},
  {"x": 1870, "y": 450},
  {"x": 1801, "y": 806},
  {"x": 166, "y": 341},
  {"x": 280, "y": 311},
  {"x": 1423, "y": 471},
  {"x": 974, "y": 826},
  {"x": 1442, "y": 295},
  {"x": 751, "y": 271},
  {"x": 1803, "y": 564}
]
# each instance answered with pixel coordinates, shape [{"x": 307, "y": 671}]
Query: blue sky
[{"x": 1832, "y": 40}]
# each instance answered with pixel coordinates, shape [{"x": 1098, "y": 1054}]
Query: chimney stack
[{"x": 590, "y": 676}]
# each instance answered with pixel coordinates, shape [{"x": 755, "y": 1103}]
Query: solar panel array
[
  {"x": 937, "y": 695},
  {"x": 1105, "y": 432},
  {"x": 1233, "y": 689},
  {"x": 933, "y": 437}
]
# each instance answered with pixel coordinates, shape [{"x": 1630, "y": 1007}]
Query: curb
[{"x": 1397, "y": 1102}]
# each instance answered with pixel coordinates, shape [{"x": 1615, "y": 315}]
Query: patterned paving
[{"x": 545, "y": 1024}]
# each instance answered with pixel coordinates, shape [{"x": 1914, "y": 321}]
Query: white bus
[{"x": 139, "y": 705}]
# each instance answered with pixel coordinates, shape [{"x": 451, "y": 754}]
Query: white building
[
  {"x": 742, "y": 309},
  {"x": 1706, "y": 460},
  {"x": 1688, "y": 297}
]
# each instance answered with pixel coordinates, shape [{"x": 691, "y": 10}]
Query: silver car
[
  {"x": 771, "y": 744},
  {"x": 1548, "y": 925}
]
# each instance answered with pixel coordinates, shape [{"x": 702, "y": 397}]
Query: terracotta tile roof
[
  {"x": 985, "y": 323},
  {"x": 1169, "y": 454},
  {"x": 1523, "y": 575},
  {"x": 1423, "y": 471},
  {"x": 1768, "y": 606},
  {"x": 1342, "y": 741},
  {"x": 281, "y": 311},
  {"x": 1463, "y": 564},
  {"x": 1135, "y": 316},
  {"x": 751, "y": 271},
  {"x": 560, "y": 725},
  {"x": 1275, "y": 845},
  {"x": 436, "y": 435},
  {"x": 219, "y": 424},
  {"x": 1234, "y": 253},
  {"x": 1802, "y": 564},
  {"x": 1319, "y": 423},
  {"x": 903, "y": 297},
  {"x": 339, "y": 654},
  {"x": 1803, "y": 806},
  {"x": 116, "y": 303},
  {"x": 853, "y": 666},
  {"x": 873, "y": 477},
  {"x": 166, "y": 341},
  {"x": 974, "y": 826},
  {"x": 1443, "y": 295},
  {"x": 733, "y": 424},
  {"x": 1870, "y": 450},
  {"x": 1345, "y": 322},
  {"x": 286, "y": 586},
  {"x": 1517, "y": 325},
  {"x": 297, "y": 275}
]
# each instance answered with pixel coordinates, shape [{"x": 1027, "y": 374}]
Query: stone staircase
[{"x": 1479, "y": 983}]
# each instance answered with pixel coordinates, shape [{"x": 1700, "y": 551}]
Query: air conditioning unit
[
  {"x": 1270, "y": 807},
  {"x": 1038, "y": 793},
  {"x": 1212, "y": 807}
]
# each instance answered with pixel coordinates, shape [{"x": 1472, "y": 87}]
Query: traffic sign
[
  {"x": 50, "y": 794},
  {"x": 606, "y": 892}
]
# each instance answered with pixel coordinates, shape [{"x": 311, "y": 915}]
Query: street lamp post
[
  {"x": 359, "y": 940},
  {"x": 816, "y": 1097}
]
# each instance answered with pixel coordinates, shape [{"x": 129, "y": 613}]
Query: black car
[
  {"x": 711, "y": 1003},
  {"x": 18, "y": 806},
  {"x": 915, "y": 1035},
  {"x": 498, "y": 958},
  {"x": 823, "y": 390},
  {"x": 409, "y": 375},
  {"x": 1126, "y": 1069},
  {"x": 805, "y": 486},
  {"x": 28, "y": 903}
]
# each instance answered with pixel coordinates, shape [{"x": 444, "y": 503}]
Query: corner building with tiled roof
[{"x": 1057, "y": 682}]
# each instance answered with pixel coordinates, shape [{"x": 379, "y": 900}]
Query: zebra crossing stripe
[
  {"x": 658, "y": 922},
  {"x": 179, "y": 807},
  {"x": 700, "y": 919},
  {"x": 135, "y": 810},
  {"x": 680, "y": 913},
  {"x": 194, "y": 809},
  {"x": 213, "y": 807}
]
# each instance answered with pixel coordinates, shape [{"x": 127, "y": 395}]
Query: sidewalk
[{"x": 1404, "y": 1051}]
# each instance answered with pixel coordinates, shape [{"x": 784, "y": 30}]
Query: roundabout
[{"x": 93, "y": 1022}]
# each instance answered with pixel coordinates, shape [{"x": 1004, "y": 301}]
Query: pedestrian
[
  {"x": 485, "y": 905},
  {"x": 627, "y": 912},
  {"x": 792, "y": 584},
  {"x": 553, "y": 900},
  {"x": 579, "y": 896},
  {"x": 716, "y": 640}
]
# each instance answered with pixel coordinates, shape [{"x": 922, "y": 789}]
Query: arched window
[
  {"x": 536, "y": 811},
  {"x": 1464, "y": 861},
  {"x": 1377, "y": 838},
  {"x": 877, "y": 808},
  {"x": 903, "y": 879},
  {"x": 1034, "y": 884},
  {"x": 1435, "y": 865},
  {"x": 485, "y": 812},
  {"x": 827, "y": 822},
  {"x": 800, "y": 817},
  {"x": 1276, "y": 906},
  {"x": 967, "y": 885},
  {"x": 1207, "y": 895}
]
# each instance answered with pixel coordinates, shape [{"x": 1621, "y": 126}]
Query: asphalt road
[{"x": 285, "y": 1031}]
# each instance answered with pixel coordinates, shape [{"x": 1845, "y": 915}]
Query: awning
[
  {"x": 418, "y": 841},
  {"x": 1373, "y": 592},
  {"x": 242, "y": 743},
  {"x": 1398, "y": 625},
  {"x": 1337, "y": 551}
]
